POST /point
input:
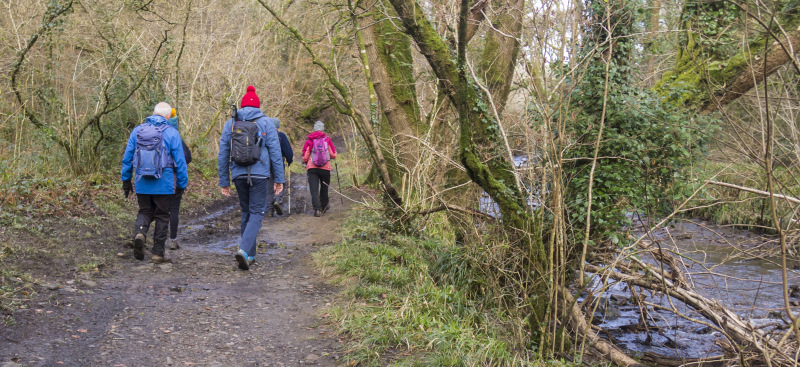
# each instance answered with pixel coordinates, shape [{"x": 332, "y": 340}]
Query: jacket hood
[
  {"x": 316, "y": 135},
  {"x": 250, "y": 113},
  {"x": 173, "y": 122},
  {"x": 156, "y": 120}
]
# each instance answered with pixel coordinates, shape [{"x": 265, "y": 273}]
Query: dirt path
[{"x": 199, "y": 310}]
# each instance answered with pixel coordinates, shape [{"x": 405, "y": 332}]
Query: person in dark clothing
[
  {"x": 319, "y": 176},
  {"x": 155, "y": 189},
  {"x": 274, "y": 201},
  {"x": 174, "y": 210},
  {"x": 250, "y": 181}
]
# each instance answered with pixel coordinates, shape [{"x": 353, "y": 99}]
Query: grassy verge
[
  {"x": 400, "y": 309},
  {"x": 52, "y": 228}
]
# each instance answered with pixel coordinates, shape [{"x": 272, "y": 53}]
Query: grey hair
[{"x": 163, "y": 109}]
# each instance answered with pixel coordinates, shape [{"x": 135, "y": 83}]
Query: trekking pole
[
  {"x": 289, "y": 188},
  {"x": 341, "y": 197}
]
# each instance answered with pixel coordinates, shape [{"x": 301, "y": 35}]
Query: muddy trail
[{"x": 198, "y": 310}]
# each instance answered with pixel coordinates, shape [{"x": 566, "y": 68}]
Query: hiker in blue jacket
[
  {"x": 274, "y": 201},
  {"x": 251, "y": 181},
  {"x": 155, "y": 183}
]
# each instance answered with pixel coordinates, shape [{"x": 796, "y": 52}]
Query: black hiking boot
[
  {"x": 317, "y": 212},
  {"x": 138, "y": 246},
  {"x": 325, "y": 209},
  {"x": 277, "y": 208}
]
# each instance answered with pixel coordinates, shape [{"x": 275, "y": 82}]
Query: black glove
[
  {"x": 179, "y": 191},
  {"x": 127, "y": 188}
]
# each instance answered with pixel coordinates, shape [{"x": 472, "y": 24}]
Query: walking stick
[
  {"x": 341, "y": 197},
  {"x": 289, "y": 190}
]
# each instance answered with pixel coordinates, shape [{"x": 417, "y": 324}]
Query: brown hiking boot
[
  {"x": 172, "y": 244},
  {"x": 317, "y": 212},
  {"x": 325, "y": 209},
  {"x": 138, "y": 246}
]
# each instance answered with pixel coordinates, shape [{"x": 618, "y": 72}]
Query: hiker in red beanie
[{"x": 250, "y": 152}]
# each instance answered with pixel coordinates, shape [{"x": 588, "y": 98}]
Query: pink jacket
[{"x": 307, "y": 150}]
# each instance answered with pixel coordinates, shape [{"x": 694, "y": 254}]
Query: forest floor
[{"x": 198, "y": 310}]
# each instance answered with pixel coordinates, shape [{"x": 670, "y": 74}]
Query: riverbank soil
[{"x": 198, "y": 310}]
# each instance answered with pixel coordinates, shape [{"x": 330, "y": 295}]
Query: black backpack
[{"x": 246, "y": 143}]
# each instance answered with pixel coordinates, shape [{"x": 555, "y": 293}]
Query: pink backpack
[{"x": 319, "y": 152}]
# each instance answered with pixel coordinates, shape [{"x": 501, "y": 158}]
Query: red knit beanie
[{"x": 250, "y": 98}]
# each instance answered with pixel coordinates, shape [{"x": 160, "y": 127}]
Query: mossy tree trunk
[
  {"x": 389, "y": 53},
  {"x": 479, "y": 142},
  {"x": 501, "y": 50},
  {"x": 391, "y": 61},
  {"x": 707, "y": 78}
]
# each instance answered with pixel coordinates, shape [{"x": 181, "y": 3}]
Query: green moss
[
  {"x": 699, "y": 70},
  {"x": 394, "y": 50}
]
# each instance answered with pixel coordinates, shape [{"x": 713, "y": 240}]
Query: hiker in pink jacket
[{"x": 317, "y": 154}]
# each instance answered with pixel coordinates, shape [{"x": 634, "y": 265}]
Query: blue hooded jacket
[
  {"x": 166, "y": 184},
  {"x": 270, "y": 157}
]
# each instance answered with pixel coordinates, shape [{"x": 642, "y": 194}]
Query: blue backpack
[{"x": 151, "y": 156}]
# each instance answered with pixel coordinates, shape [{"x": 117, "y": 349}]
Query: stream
[
  {"x": 717, "y": 265},
  {"x": 719, "y": 261}
]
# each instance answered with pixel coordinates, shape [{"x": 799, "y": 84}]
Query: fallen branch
[
  {"x": 605, "y": 349},
  {"x": 754, "y": 191},
  {"x": 737, "y": 330}
]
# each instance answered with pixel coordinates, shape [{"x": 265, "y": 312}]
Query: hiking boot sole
[
  {"x": 138, "y": 246},
  {"x": 242, "y": 262}
]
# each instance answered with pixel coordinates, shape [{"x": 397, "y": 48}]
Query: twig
[{"x": 458, "y": 209}]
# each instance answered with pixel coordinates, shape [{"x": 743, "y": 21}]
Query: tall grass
[{"x": 414, "y": 300}]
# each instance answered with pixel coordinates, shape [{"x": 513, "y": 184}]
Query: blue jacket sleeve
[
  {"x": 286, "y": 148},
  {"x": 224, "y": 156},
  {"x": 127, "y": 159},
  {"x": 273, "y": 145},
  {"x": 176, "y": 150}
]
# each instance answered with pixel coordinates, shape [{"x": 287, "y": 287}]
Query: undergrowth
[{"x": 410, "y": 302}]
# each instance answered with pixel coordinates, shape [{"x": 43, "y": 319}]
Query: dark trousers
[
  {"x": 154, "y": 207},
  {"x": 318, "y": 182},
  {"x": 174, "y": 211},
  {"x": 253, "y": 201}
]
